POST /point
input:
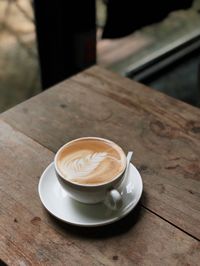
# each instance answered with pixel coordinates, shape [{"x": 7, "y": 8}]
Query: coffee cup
[{"x": 91, "y": 170}]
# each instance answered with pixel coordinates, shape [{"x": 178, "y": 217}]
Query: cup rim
[{"x": 88, "y": 185}]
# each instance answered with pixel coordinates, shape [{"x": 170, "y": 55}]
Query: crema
[{"x": 91, "y": 161}]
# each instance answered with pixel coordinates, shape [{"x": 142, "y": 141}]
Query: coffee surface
[{"x": 91, "y": 161}]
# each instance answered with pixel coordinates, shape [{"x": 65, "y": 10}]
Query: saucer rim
[{"x": 121, "y": 213}]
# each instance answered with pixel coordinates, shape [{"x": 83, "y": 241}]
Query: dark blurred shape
[
  {"x": 66, "y": 34},
  {"x": 2, "y": 263},
  {"x": 124, "y": 17}
]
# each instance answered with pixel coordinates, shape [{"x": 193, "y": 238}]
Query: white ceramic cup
[{"x": 109, "y": 193}]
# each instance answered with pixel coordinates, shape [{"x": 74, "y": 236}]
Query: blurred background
[
  {"x": 163, "y": 53},
  {"x": 19, "y": 66}
]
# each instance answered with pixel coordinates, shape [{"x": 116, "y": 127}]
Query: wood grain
[
  {"x": 10, "y": 253},
  {"x": 22, "y": 216},
  {"x": 29, "y": 236},
  {"x": 163, "y": 133},
  {"x": 135, "y": 95}
]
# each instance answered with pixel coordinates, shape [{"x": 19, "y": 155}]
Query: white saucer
[{"x": 60, "y": 205}]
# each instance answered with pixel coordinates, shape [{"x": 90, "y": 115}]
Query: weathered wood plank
[
  {"x": 149, "y": 242},
  {"x": 135, "y": 95},
  {"x": 10, "y": 253},
  {"x": 141, "y": 238},
  {"x": 21, "y": 212},
  {"x": 163, "y": 132},
  {"x": 39, "y": 243}
]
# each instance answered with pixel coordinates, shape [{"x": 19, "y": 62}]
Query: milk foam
[
  {"x": 84, "y": 165},
  {"x": 90, "y": 163}
]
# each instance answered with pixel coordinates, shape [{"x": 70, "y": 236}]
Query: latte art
[
  {"x": 85, "y": 165},
  {"x": 91, "y": 161}
]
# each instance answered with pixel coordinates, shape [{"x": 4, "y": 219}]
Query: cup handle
[{"x": 113, "y": 199}]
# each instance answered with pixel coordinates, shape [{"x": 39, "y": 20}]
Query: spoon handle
[{"x": 128, "y": 159}]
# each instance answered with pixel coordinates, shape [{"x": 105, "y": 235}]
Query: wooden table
[{"x": 164, "y": 133}]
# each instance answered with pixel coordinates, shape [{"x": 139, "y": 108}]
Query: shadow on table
[
  {"x": 3, "y": 263},
  {"x": 119, "y": 227}
]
